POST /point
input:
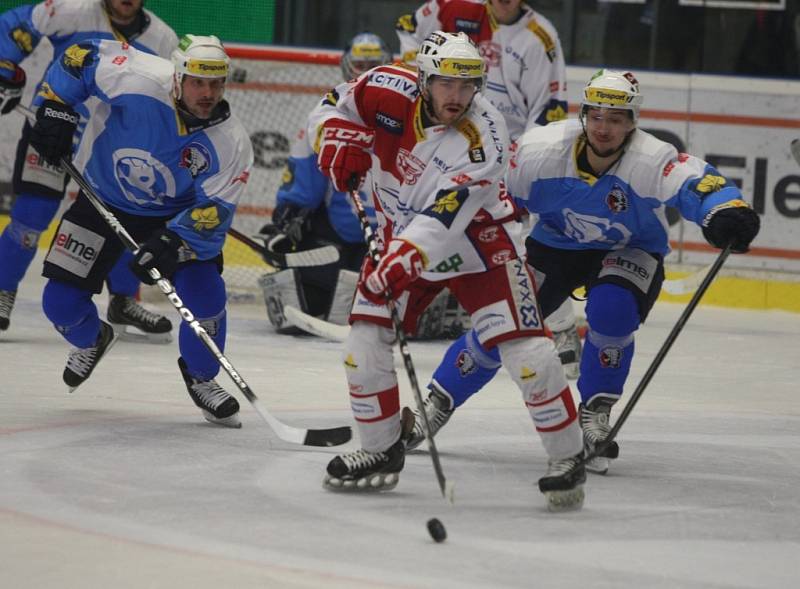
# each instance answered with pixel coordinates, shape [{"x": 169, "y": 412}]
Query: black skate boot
[
  {"x": 135, "y": 323},
  {"x": 217, "y": 406},
  {"x": 363, "y": 471},
  {"x": 594, "y": 419},
  {"x": 437, "y": 407},
  {"x": 82, "y": 361},
  {"x": 563, "y": 483},
  {"x": 569, "y": 348},
  {"x": 7, "y": 298}
]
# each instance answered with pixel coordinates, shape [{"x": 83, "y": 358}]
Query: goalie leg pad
[
  {"x": 535, "y": 368},
  {"x": 280, "y": 289},
  {"x": 342, "y": 300},
  {"x": 372, "y": 381}
]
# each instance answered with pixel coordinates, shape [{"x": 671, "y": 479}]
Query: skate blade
[
  {"x": 598, "y": 465},
  {"x": 569, "y": 500},
  {"x": 371, "y": 484},
  {"x": 140, "y": 337},
  {"x": 231, "y": 421}
]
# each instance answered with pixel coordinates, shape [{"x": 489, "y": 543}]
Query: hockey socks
[{"x": 465, "y": 369}]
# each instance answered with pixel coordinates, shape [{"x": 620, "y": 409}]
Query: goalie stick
[
  {"x": 307, "y": 437},
  {"x": 447, "y": 488},
  {"x": 320, "y": 256},
  {"x": 665, "y": 347}
]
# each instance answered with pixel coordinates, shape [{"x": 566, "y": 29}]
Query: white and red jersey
[
  {"x": 526, "y": 78},
  {"x": 437, "y": 187}
]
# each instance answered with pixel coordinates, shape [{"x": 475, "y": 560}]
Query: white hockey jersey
[
  {"x": 526, "y": 78},
  {"x": 138, "y": 153},
  {"x": 625, "y": 207},
  {"x": 438, "y": 187}
]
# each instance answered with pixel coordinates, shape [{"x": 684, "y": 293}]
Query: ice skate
[
  {"x": 563, "y": 483},
  {"x": 217, "y": 406},
  {"x": 568, "y": 346},
  {"x": 133, "y": 322},
  {"x": 7, "y": 298},
  {"x": 437, "y": 408},
  {"x": 363, "y": 471},
  {"x": 82, "y": 361},
  {"x": 595, "y": 425}
]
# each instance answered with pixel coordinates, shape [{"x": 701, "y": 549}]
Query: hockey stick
[
  {"x": 307, "y": 437},
  {"x": 314, "y": 325},
  {"x": 320, "y": 256},
  {"x": 651, "y": 370},
  {"x": 687, "y": 284},
  {"x": 447, "y": 488}
]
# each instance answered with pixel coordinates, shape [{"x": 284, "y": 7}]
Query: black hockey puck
[{"x": 436, "y": 530}]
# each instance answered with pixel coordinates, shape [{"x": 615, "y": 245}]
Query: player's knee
[
  {"x": 533, "y": 364},
  {"x": 64, "y": 304},
  {"x": 612, "y": 310},
  {"x": 34, "y": 211},
  {"x": 201, "y": 287},
  {"x": 367, "y": 357}
]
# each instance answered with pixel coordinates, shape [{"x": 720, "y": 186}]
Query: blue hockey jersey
[
  {"x": 626, "y": 206},
  {"x": 66, "y": 22},
  {"x": 137, "y": 151}
]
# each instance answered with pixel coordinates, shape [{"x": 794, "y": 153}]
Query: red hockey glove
[
  {"x": 400, "y": 265},
  {"x": 343, "y": 153}
]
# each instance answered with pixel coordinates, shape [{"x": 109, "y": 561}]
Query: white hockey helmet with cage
[
  {"x": 613, "y": 89},
  {"x": 199, "y": 56},
  {"x": 364, "y": 51},
  {"x": 449, "y": 55}
]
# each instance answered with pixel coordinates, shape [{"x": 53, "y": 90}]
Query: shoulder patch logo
[
  {"x": 22, "y": 39},
  {"x": 205, "y": 219},
  {"x": 77, "y": 57},
  {"x": 473, "y": 136},
  {"x": 196, "y": 158}
]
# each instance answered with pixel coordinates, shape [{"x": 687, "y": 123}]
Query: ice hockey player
[
  {"x": 40, "y": 186},
  {"x": 437, "y": 151},
  {"x": 600, "y": 187},
  {"x": 310, "y": 213},
  {"x": 171, "y": 161},
  {"x": 526, "y": 81}
]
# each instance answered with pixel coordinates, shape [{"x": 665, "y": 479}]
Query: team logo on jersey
[
  {"x": 710, "y": 183},
  {"x": 22, "y": 39},
  {"x": 491, "y": 52},
  {"x": 77, "y": 57},
  {"x": 617, "y": 200},
  {"x": 143, "y": 179},
  {"x": 391, "y": 124},
  {"x": 446, "y": 206},
  {"x": 407, "y": 23},
  {"x": 461, "y": 179},
  {"x": 590, "y": 228},
  {"x": 410, "y": 166},
  {"x": 196, "y": 158},
  {"x": 206, "y": 219}
]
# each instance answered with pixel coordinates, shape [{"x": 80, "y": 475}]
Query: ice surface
[{"x": 124, "y": 485}]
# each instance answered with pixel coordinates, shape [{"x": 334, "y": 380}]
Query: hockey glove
[
  {"x": 733, "y": 223},
  {"x": 12, "y": 83},
  {"x": 400, "y": 265},
  {"x": 344, "y": 153},
  {"x": 52, "y": 134},
  {"x": 159, "y": 252}
]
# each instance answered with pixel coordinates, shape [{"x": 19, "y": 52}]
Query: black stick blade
[{"x": 328, "y": 437}]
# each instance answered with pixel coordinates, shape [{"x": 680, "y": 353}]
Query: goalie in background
[
  {"x": 311, "y": 214},
  {"x": 40, "y": 186}
]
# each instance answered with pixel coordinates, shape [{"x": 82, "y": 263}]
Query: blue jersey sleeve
[
  {"x": 18, "y": 36},
  {"x": 71, "y": 78},
  {"x": 698, "y": 195},
  {"x": 303, "y": 183}
]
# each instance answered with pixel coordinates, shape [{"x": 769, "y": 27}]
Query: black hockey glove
[
  {"x": 289, "y": 225},
  {"x": 52, "y": 134},
  {"x": 160, "y": 251},
  {"x": 733, "y": 223},
  {"x": 10, "y": 87}
]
